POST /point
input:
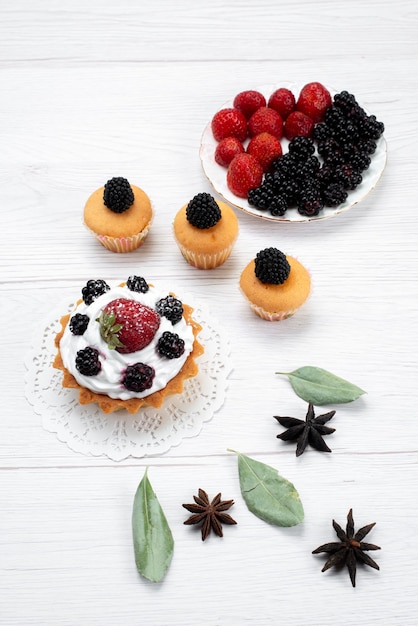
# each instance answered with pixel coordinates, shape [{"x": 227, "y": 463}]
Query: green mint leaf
[
  {"x": 268, "y": 495},
  {"x": 153, "y": 541},
  {"x": 316, "y": 385}
]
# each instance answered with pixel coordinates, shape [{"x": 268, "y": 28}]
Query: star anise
[
  {"x": 210, "y": 513},
  {"x": 350, "y": 549},
  {"x": 310, "y": 430}
]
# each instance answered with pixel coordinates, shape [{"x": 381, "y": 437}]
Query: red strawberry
[
  {"x": 283, "y": 101},
  {"x": 298, "y": 124},
  {"x": 229, "y": 123},
  {"x": 128, "y": 326},
  {"x": 265, "y": 148},
  {"x": 266, "y": 120},
  {"x": 227, "y": 149},
  {"x": 314, "y": 99},
  {"x": 244, "y": 173},
  {"x": 249, "y": 101}
]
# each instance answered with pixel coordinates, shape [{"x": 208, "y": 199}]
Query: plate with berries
[{"x": 293, "y": 153}]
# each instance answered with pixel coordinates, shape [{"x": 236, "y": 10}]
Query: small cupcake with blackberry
[
  {"x": 275, "y": 285},
  {"x": 205, "y": 231},
  {"x": 119, "y": 215}
]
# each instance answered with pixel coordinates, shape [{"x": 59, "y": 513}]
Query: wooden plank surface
[{"x": 94, "y": 90}]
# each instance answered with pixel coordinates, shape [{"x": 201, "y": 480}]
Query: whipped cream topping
[{"x": 114, "y": 364}]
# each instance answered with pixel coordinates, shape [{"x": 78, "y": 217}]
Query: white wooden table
[{"x": 90, "y": 90}]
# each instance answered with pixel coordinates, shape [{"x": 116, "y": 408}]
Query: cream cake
[{"x": 128, "y": 345}]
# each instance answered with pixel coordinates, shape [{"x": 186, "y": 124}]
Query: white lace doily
[{"x": 119, "y": 435}]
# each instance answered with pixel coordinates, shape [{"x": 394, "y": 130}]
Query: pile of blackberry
[{"x": 345, "y": 142}]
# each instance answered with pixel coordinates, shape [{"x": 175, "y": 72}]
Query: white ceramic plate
[{"x": 217, "y": 174}]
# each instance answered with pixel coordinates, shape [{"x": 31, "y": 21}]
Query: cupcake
[
  {"x": 205, "y": 231},
  {"x": 128, "y": 346},
  {"x": 275, "y": 285},
  {"x": 119, "y": 215}
]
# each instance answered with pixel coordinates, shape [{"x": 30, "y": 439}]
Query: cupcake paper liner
[
  {"x": 271, "y": 317},
  {"x": 206, "y": 261},
  {"x": 122, "y": 244}
]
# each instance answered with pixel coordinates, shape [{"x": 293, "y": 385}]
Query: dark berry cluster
[
  {"x": 138, "y": 377},
  {"x": 170, "y": 345},
  {"x": 93, "y": 289},
  {"x": 138, "y": 284},
  {"x": 118, "y": 195},
  {"x": 87, "y": 361},
  {"x": 203, "y": 211},
  {"x": 345, "y": 142},
  {"x": 171, "y": 308},
  {"x": 292, "y": 182},
  {"x": 79, "y": 323},
  {"x": 271, "y": 266}
]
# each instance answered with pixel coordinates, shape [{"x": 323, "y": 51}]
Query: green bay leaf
[
  {"x": 152, "y": 537},
  {"x": 268, "y": 495},
  {"x": 318, "y": 386}
]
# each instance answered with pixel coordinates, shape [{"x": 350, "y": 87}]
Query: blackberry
[
  {"x": 286, "y": 165},
  {"x": 360, "y": 161},
  {"x": 310, "y": 203},
  {"x": 78, "y": 323},
  {"x": 325, "y": 175},
  {"x": 349, "y": 149},
  {"x": 371, "y": 128},
  {"x": 203, "y": 211},
  {"x": 321, "y": 132},
  {"x": 138, "y": 377},
  {"x": 311, "y": 165},
  {"x": 334, "y": 117},
  {"x": 346, "y": 134},
  {"x": 367, "y": 146},
  {"x": 93, "y": 289},
  {"x": 278, "y": 206},
  {"x": 87, "y": 361},
  {"x": 271, "y": 266},
  {"x": 268, "y": 179},
  {"x": 301, "y": 147},
  {"x": 170, "y": 345},
  {"x": 290, "y": 191},
  {"x": 335, "y": 159},
  {"x": 171, "y": 308},
  {"x": 348, "y": 176},
  {"x": 279, "y": 179},
  {"x": 118, "y": 195},
  {"x": 312, "y": 185},
  {"x": 334, "y": 194},
  {"x": 254, "y": 196},
  {"x": 138, "y": 284},
  {"x": 345, "y": 101},
  {"x": 328, "y": 147},
  {"x": 261, "y": 198},
  {"x": 356, "y": 115}
]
